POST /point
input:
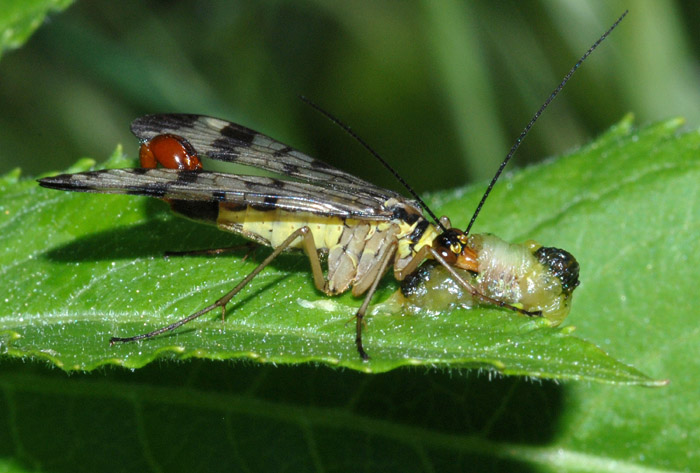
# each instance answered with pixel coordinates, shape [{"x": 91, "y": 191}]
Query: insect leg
[
  {"x": 250, "y": 246},
  {"x": 312, "y": 253},
  {"x": 413, "y": 264},
  {"x": 359, "y": 316},
  {"x": 476, "y": 294},
  {"x": 303, "y": 232}
]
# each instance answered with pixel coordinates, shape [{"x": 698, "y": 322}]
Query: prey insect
[{"x": 362, "y": 230}]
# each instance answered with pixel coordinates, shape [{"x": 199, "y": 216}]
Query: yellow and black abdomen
[
  {"x": 355, "y": 247},
  {"x": 271, "y": 227},
  {"x": 266, "y": 227}
]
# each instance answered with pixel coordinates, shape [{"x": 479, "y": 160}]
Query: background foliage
[{"x": 439, "y": 87}]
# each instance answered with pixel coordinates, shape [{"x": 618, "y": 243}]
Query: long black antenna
[
  {"x": 349, "y": 131},
  {"x": 520, "y": 139}
]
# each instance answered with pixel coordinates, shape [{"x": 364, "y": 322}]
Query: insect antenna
[
  {"x": 525, "y": 131},
  {"x": 362, "y": 142}
]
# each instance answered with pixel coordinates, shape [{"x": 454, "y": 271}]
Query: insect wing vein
[
  {"x": 258, "y": 191},
  {"x": 225, "y": 141}
]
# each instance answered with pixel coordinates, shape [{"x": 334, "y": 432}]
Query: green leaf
[
  {"x": 20, "y": 18},
  {"x": 79, "y": 269},
  {"x": 201, "y": 416}
]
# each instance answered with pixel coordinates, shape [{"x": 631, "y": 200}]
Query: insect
[
  {"x": 526, "y": 275},
  {"x": 360, "y": 228}
]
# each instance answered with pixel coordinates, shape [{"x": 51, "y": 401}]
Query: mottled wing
[
  {"x": 257, "y": 191},
  {"x": 226, "y": 141}
]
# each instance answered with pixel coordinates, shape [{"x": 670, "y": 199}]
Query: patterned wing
[
  {"x": 226, "y": 141},
  {"x": 258, "y": 191}
]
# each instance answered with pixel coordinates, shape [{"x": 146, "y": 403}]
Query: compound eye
[
  {"x": 448, "y": 244},
  {"x": 170, "y": 151},
  {"x": 448, "y": 255}
]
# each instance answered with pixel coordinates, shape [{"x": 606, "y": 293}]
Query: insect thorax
[{"x": 355, "y": 247}]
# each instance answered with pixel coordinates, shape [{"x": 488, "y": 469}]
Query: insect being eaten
[{"x": 360, "y": 228}]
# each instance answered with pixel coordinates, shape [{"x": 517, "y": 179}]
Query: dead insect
[
  {"x": 529, "y": 276},
  {"x": 361, "y": 228}
]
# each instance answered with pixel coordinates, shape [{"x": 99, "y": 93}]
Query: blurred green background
[{"x": 440, "y": 88}]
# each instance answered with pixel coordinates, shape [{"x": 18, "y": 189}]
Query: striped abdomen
[{"x": 355, "y": 247}]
